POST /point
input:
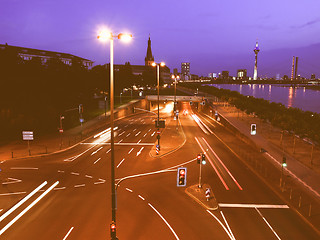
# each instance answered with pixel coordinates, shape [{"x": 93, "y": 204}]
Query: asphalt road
[{"x": 73, "y": 196}]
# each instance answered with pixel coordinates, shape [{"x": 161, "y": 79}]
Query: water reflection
[{"x": 298, "y": 97}]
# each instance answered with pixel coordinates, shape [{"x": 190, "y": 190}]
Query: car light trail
[
  {"x": 23, "y": 201},
  {"x": 215, "y": 169},
  {"x": 28, "y": 208},
  {"x": 236, "y": 182},
  {"x": 68, "y": 233},
  {"x": 197, "y": 120}
]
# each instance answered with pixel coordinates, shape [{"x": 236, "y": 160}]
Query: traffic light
[
  {"x": 203, "y": 159},
  {"x": 253, "y": 129},
  {"x": 113, "y": 230},
  {"x": 198, "y": 158},
  {"x": 182, "y": 177},
  {"x": 284, "y": 161}
]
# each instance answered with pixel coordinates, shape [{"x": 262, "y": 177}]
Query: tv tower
[{"x": 255, "y": 72}]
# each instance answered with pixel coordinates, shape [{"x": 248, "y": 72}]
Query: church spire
[{"x": 149, "y": 59}]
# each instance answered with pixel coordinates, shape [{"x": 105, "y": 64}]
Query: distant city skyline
[{"x": 214, "y": 36}]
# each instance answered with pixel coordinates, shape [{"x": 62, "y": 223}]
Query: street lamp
[
  {"x": 105, "y": 36},
  {"x": 175, "y": 77},
  {"x": 158, "y": 65}
]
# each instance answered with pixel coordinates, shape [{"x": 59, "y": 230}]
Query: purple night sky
[{"x": 213, "y": 35}]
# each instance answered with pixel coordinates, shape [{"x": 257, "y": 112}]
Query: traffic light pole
[
  {"x": 158, "y": 82},
  {"x": 200, "y": 186}
]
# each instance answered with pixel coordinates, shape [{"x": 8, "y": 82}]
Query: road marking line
[
  {"x": 236, "y": 182},
  {"x": 145, "y": 134},
  {"x": 14, "y": 193},
  {"x": 226, "y": 230},
  {"x": 130, "y": 151},
  {"x": 96, "y": 151},
  {"x": 24, "y": 168},
  {"x": 149, "y": 130},
  {"x": 139, "y": 141},
  {"x": 13, "y": 180},
  {"x": 120, "y": 162},
  {"x": 128, "y": 134},
  {"x": 265, "y": 220},
  {"x": 138, "y": 153},
  {"x": 141, "y": 197},
  {"x": 88, "y": 176},
  {"x": 60, "y": 188},
  {"x": 153, "y": 133},
  {"x": 138, "y": 133},
  {"x": 215, "y": 169},
  {"x": 65, "y": 237},
  {"x": 102, "y": 180},
  {"x": 79, "y": 185},
  {"x": 23, "y": 200},
  {"x": 243, "y": 205},
  {"x": 75, "y": 173},
  {"x": 121, "y": 133},
  {"x": 108, "y": 151},
  {"x": 129, "y": 190},
  {"x": 28, "y": 208},
  {"x": 97, "y": 160},
  {"x": 120, "y": 141},
  {"x": 59, "y": 171},
  {"x": 164, "y": 221},
  {"x": 225, "y": 220}
]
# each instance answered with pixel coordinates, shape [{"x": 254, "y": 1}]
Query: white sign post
[{"x": 27, "y": 136}]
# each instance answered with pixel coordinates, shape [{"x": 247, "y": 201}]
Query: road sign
[
  {"x": 253, "y": 129},
  {"x": 60, "y": 130},
  {"x": 208, "y": 194},
  {"x": 27, "y": 135}
]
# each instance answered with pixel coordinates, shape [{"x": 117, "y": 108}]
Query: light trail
[{"x": 28, "y": 208}]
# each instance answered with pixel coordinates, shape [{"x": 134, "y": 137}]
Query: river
[{"x": 297, "y": 97}]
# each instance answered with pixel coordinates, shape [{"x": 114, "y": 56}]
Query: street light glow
[
  {"x": 162, "y": 64},
  {"x": 153, "y": 64},
  {"x": 125, "y": 37},
  {"x": 104, "y": 36}
]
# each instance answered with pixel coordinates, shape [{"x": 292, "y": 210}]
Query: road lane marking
[
  {"x": 121, "y": 133},
  {"x": 97, "y": 160},
  {"x": 108, "y": 151},
  {"x": 244, "y": 205},
  {"x": 79, "y": 185},
  {"x": 138, "y": 133},
  {"x": 128, "y": 134},
  {"x": 68, "y": 233},
  {"x": 23, "y": 200},
  {"x": 24, "y": 168},
  {"x": 120, "y": 141},
  {"x": 88, "y": 176},
  {"x": 139, "y": 141},
  {"x": 153, "y": 133},
  {"x": 101, "y": 181},
  {"x": 129, "y": 190},
  {"x": 13, "y": 180},
  {"x": 215, "y": 169},
  {"x": 138, "y": 153},
  {"x": 120, "y": 163},
  {"x": 75, "y": 173},
  {"x": 130, "y": 151},
  {"x": 225, "y": 220},
  {"x": 236, "y": 182},
  {"x": 134, "y": 130},
  {"x": 176, "y": 236},
  {"x": 149, "y": 130},
  {"x": 265, "y": 220},
  {"x": 60, "y": 188},
  {"x": 59, "y": 171},
  {"x": 224, "y": 228},
  {"x": 28, "y": 208},
  {"x": 96, "y": 151},
  {"x": 13, "y": 193},
  {"x": 145, "y": 134},
  {"x": 141, "y": 197}
]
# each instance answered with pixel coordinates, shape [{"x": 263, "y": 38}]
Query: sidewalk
[{"x": 268, "y": 137}]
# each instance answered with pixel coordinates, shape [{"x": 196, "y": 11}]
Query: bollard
[{"x": 208, "y": 194}]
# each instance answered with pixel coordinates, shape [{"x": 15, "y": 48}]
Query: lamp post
[
  {"x": 105, "y": 36},
  {"x": 158, "y": 65},
  {"x": 175, "y": 77}
]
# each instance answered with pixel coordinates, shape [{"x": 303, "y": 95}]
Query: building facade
[
  {"x": 185, "y": 71},
  {"x": 27, "y": 54},
  {"x": 242, "y": 74}
]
